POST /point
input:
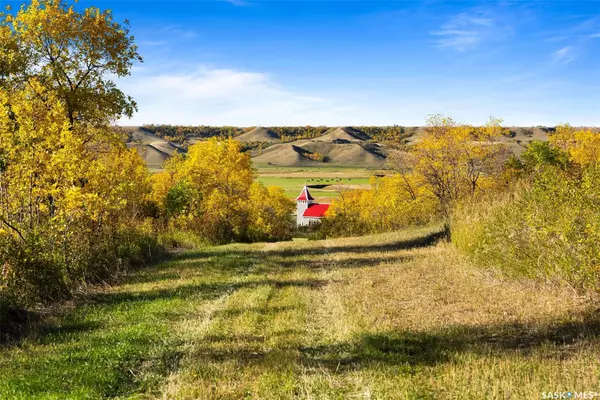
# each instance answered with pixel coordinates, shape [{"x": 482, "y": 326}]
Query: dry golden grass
[
  {"x": 367, "y": 318},
  {"x": 388, "y": 316}
]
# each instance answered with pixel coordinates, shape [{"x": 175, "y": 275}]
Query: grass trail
[{"x": 386, "y": 316}]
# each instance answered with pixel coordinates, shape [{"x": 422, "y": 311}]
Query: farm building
[{"x": 307, "y": 211}]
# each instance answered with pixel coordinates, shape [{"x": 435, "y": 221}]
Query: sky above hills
[{"x": 245, "y": 62}]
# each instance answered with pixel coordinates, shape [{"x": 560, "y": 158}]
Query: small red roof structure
[
  {"x": 304, "y": 195},
  {"x": 316, "y": 210}
]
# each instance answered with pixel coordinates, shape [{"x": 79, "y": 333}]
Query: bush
[
  {"x": 175, "y": 239},
  {"x": 44, "y": 273},
  {"x": 393, "y": 202},
  {"x": 549, "y": 228}
]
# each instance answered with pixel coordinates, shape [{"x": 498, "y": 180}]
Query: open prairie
[
  {"x": 325, "y": 182},
  {"x": 398, "y": 315}
]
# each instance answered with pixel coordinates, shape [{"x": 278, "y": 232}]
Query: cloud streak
[
  {"x": 578, "y": 38},
  {"x": 564, "y": 55},
  {"x": 178, "y": 31},
  {"x": 463, "y": 31},
  {"x": 238, "y": 3}
]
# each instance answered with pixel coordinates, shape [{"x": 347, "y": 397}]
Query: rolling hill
[
  {"x": 258, "y": 134},
  {"x": 284, "y": 155},
  {"x": 344, "y": 135},
  {"x": 154, "y": 150},
  {"x": 340, "y": 146}
]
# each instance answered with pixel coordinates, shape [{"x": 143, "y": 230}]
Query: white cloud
[
  {"x": 580, "y": 38},
  {"x": 227, "y": 97},
  {"x": 564, "y": 55},
  {"x": 464, "y": 31}
]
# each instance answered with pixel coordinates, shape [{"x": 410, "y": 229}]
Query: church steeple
[
  {"x": 303, "y": 201},
  {"x": 305, "y": 195}
]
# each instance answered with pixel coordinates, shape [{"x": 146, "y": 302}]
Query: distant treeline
[{"x": 178, "y": 133}]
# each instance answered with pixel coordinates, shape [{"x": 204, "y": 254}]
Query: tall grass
[
  {"x": 43, "y": 273},
  {"x": 548, "y": 228},
  {"x": 389, "y": 316}
]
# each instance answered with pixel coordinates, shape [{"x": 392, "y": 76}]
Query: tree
[
  {"x": 539, "y": 154},
  {"x": 72, "y": 196},
  {"x": 581, "y": 147},
  {"x": 452, "y": 159},
  {"x": 270, "y": 213},
  {"x": 71, "y": 54},
  {"x": 63, "y": 208},
  {"x": 403, "y": 163},
  {"x": 211, "y": 192}
]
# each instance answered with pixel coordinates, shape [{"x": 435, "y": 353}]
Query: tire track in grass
[
  {"x": 234, "y": 270},
  {"x": 190, "y": 332},
  {"x": 132, "y": 334},
  {"x": 251, "y": 344}
]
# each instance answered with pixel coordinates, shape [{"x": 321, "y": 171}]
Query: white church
[{"x": 307, "y": 211}]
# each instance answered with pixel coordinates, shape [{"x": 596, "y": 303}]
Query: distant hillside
[
  {"x": 258, "y": 134},
  {"x": 344, "y": 135},
  {"x": 153, "y": 149},
  {"x": 303, "y": 146},
  {"x": 340, "y": 146}
]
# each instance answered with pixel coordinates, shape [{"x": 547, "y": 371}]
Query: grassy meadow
[
  {"x": 397, "y": 315},
  {"x": 327, "y": 182}
]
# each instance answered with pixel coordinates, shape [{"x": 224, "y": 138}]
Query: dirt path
[{"x": 389, "y": 316}]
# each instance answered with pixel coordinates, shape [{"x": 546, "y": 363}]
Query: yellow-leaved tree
[
  {"x": 581, "y": 146},
  {"x": 72, "y": 196},
  {"x": 72, "y": 54},
  {"x": 450, "y": 162},
  {"x": 455, "y": 160},
  {"x": 211, "y": 192},
  {"x": 62, "y": 203},
  {"x": 393, "y": 202}
]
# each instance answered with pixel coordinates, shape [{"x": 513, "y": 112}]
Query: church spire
[{"x": 305, "y": 195}]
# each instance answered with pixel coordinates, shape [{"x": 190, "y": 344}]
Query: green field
[
  {"x": 293, "y": 186},
  {"x": 391, "y": 316},
  {"x": 326, "y": 182}
]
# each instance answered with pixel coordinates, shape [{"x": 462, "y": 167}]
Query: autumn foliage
[
  {"x": 212, "y": 193},
  {"x": 548, "y": 224},
  {"x": 450, "y": 163},
  {"x": 536, "y": 215},
  {"x": 72, "y": 196},
  {"x": 76, "y": 205}
]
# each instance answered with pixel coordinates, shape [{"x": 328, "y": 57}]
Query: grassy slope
[{"x": 379, "y": 317}]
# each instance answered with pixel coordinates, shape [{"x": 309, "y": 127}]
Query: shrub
[
  {"x": 72, "y": 201},
  {"x": 393, "y": 202},
  {"x": 549, "y": 228}
]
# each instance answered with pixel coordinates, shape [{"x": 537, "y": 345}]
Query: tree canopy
[{"x": 73, "y": 54}]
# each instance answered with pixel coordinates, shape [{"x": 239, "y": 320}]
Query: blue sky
[{"x": 245, "y": 62}]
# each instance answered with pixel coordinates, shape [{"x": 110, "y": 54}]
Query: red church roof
[
  {"x": 305, "y": 195},
  {"x": 316, "y": 210}
]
